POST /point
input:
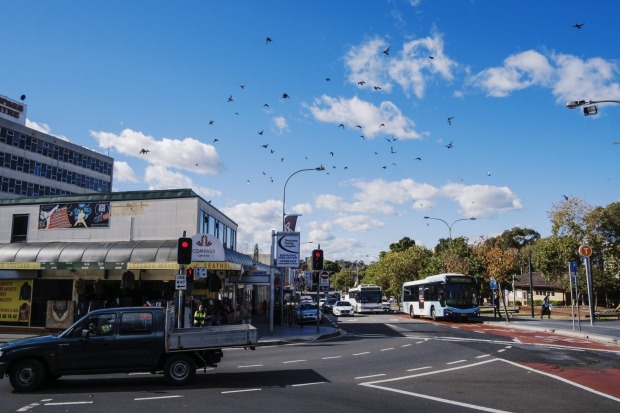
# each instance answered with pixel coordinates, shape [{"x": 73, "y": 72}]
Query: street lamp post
[
  {"x": 318, "y": 168},
  {"x": 281, "y": 287},
  {"x": 450, "y": 225},
  {"x": 589, "y": 106}
]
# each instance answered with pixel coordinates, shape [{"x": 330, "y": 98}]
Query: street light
[
  {"x": 588, "y": 110},
  {"x": 450, "y": 225},
  {"x": 318, "y": 168}
]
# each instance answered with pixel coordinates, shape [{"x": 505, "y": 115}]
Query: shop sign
[{"x": 15, "y": 301}]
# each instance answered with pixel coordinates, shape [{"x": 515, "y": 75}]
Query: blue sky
[{"x": 194, "y": 82}]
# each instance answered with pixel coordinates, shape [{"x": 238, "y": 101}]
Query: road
[{"x": 382, "y": 362}]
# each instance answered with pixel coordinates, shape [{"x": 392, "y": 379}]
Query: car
[
  {"x": 321, "y": 302},
  {"x": 343, "y": 308},
  {"x": 386, "y": 305},
  {"x": 307, "y": 313},
  {"x": 306, "y": 299},
  {"x": 328, "y": 305}
]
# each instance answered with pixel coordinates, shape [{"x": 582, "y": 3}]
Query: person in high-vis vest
[{"x": 200, "y": 316}]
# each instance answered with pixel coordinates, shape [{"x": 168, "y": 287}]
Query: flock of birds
[{"x": 361, "y": 83}]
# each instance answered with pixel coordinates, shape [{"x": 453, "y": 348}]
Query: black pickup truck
[{"x": 121, "y": 340}]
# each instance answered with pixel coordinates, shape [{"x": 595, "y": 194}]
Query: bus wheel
[
  {"x": 411, "y": 312},
  {"x": 433, "y": 315}
]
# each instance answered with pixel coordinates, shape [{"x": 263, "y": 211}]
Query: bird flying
[
  {"x": 578, "y": 25},
  {"x": 387, "y": 51},
  {"x": 267, "y": 40},
  {"x": 450, "y": 120},
  {"x": 144, "y": 150},
  {"x": 449, "y": 146}
]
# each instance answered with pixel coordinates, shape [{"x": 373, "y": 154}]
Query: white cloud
[
  {"x": 256, "y": 220},
  {"x": 357, "y": 223},
  {"x": 44, "y": 128},
  {"x": 354, "y": 111},
  {"x": 367, "y": 63},
  {"x": 303, "y": 209},
  {"x": 280, "y": 124},
  {"x": 591, "y": 79},
  {"x": 188, "y": 154},
  {"x": 482, "y": 200},
  {"x": 124, "y": 173},
  {"x": 160, "y": 177},
  {"x": 519, "y": 71}
]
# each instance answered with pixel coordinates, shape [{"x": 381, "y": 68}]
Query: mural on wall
[
  {"x": 80, "y": 215},
  {"x": 59, "y": 313},
  {"x": 15, "y": 301}
]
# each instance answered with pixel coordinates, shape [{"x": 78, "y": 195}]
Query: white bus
[
  {"x": 442, "y": 296},
  {"x": 365, "y": 298}
]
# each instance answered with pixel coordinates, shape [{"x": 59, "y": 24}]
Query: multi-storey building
[{"x": 33, "y": 163}]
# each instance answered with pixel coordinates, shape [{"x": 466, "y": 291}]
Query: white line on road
[
  {"x": 360, "y": 354},
  {"x": 406, "y": 345},
  {"x": 250, "y": 365},
  {"x": 332, "y": 357},
  {"x": 458, "y": 361},
  {"x": 240, "y": 391},
  {"x": 387, "y": 349},
  {"x": 293, "y": 361},
  {"x": 66, "y": 403},
  {"x": 367, "y": 377},
  {"x": 307, "y": 384},
  {"x": 158, "y": 397},
  {"x": 483, "y": 356},
  {"x": 420, "y": 368}
]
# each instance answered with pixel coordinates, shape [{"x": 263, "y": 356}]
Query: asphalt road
[{"x": 380, "y": 363}]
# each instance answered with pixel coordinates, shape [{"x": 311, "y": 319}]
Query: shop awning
[{"x": 154, "y": 255}]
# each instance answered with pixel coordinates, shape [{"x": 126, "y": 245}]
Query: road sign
[
  {"x": 200, "y": 273},
  {"x": 181, "y": 282},
  {"x": 493, "y": 284},
  {"x": 324, "y": 279},
  {"x": 585, "y": 250}
]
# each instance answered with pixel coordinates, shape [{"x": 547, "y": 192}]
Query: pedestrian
[
  {"x": 210, "y": 314},
  {"x": 546, "y": 307},
  {"x": 496, "y": 309},
  {"x": 246, "y": 313},
  {"x": 200, "y": 316}
]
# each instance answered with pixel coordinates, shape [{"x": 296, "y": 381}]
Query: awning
[{"x": 152, "y": 255}]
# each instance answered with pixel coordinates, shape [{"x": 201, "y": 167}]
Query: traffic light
[
  {"x": 189, "y": 272},
  {"x": 184, "y": 251},
  {"x": 317, "y": 259}
]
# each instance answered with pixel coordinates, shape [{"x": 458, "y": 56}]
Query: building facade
[
  {"x": 61, "y": 256},
  {"x": 33, "y": 163}
]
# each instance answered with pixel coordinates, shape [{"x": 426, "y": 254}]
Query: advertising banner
[
  {"x": 80, "y": 215},
  {"x": 15, "y": 301},
  {"x": 206, "y": 247},
  {"x": 287, "y": 255}
]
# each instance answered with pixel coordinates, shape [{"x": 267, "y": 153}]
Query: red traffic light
[
  {"x": 184, "y": 251},
  {"x": 184, "y": 244}
]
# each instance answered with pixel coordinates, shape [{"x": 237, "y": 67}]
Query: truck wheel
[
  {"x": 27, "y": 375},
  {"x": 179, "y": 370}
]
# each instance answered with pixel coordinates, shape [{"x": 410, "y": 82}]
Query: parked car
[
  {"x": 307, "y": 313},
  {"x": 328, "y": 305},
  {"x": 306, "y": 299},
  {"x": 343, "y": 308}
]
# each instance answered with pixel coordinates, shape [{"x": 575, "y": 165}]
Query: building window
[{"x": 19, "y": 232}]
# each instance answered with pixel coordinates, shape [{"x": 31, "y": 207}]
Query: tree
[{"x": 403, "y": 245}]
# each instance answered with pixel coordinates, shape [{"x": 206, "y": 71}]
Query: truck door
[
  {"x": 91, "y": 345},
  {"x": 140, "y": 343}
]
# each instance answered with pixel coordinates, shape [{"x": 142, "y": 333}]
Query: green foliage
[{"x": 403, "y": 245}]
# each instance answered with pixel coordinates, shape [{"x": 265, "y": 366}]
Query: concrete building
[
  {"x": 61, "y": 256},
  {"x": 33, "y": 163}
]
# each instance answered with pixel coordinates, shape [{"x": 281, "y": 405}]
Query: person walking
[
  {"x": 246, "y": 313},
  {"x": 200, "y": 316},
  {"x": 546, "y": 307},
  {"x": 496, "y": 308}
]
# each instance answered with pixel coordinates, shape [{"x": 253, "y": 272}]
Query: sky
[{"x": 450, "y": 110}]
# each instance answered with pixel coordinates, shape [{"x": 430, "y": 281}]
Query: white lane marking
[
  {"x": 387, "y": 349},
  {"x": 249, "y": 365},
  {"x": 457, "y": 361},
  {"x": 483, "y": 356},
  {"x": 307, "y": 384},
  {"x": 360, "y": 354},
  {"x": 158, "y": 397},
  {"x": 406, "y": 345},
  {"x": 501, "y": 350},
  {"x": 26, "y": 408},
  {"x": 367, "y": 377},
  {"x": 66, "y": 403},
  {"x": 420, "y": 368},
  {"x": 581, "y": 386},
  {"x": 332, "y": 357},
  {"x": 293, "y": 361},
  {"x": 424, "y": 396},
  {"x": 240, "y": 391}
]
